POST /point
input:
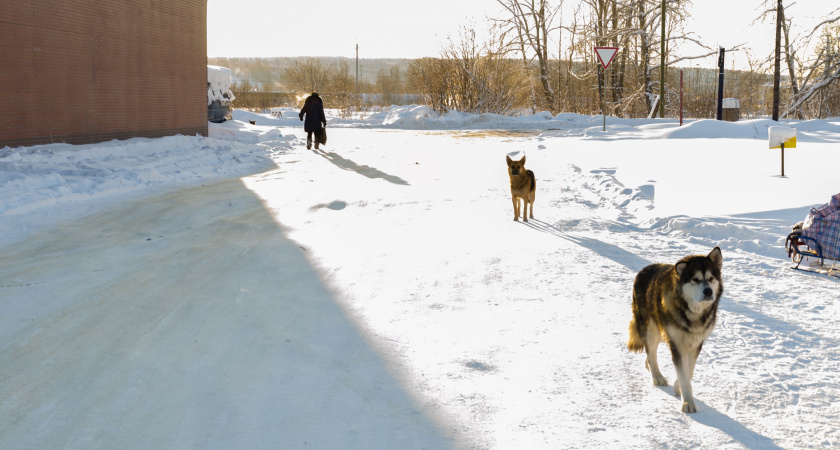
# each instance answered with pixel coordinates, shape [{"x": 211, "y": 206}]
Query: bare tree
[
  {"x": 471, "y": 77},
  {"x": 823, "y": 71},
  {"x": 341, "y": 89},
  {"x": 430, "y": 76},
  {"x": 307, "y": 75},
  {"x": 529, "y": 23},
  {"x": 390, "y": 85},
  {"x": 790, "y": 56},
  {"x": 634, "y": 26}
]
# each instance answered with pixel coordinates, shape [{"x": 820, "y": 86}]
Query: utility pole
[
  {"x": 721, "y": 56},
  {"x": 357, "y": 70},
  {"x": 662, "y": 67},
  {"x": 776, "y": 70}
]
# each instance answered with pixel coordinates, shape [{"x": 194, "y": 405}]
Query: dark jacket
[{"x": 313, "y": 109}]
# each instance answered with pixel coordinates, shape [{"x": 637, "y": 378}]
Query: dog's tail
[
  {"x": 533, "y": 180},
  {"x": 636, "y": 343},
  {"x": 638, "y": 324}
]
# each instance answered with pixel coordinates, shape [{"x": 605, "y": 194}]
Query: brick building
[{"x": 88, "y": 71}]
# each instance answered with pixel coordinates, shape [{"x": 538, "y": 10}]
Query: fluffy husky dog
[
  {"x": 676, "y": 304},
  {"x": 523, "y": 185}
]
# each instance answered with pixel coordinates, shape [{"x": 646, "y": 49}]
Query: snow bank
[
  {"x": 61, "y": 181},
  {"x": 33, "y": 176},
  {"x": 420, "y": 117}
]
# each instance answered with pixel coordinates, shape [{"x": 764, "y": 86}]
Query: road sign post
[{"x": 605, "y": 55}]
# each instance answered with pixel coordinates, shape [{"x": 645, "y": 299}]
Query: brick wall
[{"x": 87, "y": 71}]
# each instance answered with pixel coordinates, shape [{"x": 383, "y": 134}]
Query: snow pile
[
  {"x": 218, "y": 85},
  {"x": 62, "y": 179},
  {"x": 420, "y": 117}
]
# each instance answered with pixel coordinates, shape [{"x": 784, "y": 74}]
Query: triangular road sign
[{"x": 606, "y": 55}]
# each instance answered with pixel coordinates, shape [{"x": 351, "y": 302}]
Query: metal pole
[
  {"x": 680, "y": 97},
  {"x": 776, "y": 72},
  {"x": 603, "y": 100},
  {"x": 720, "y": 83},
  {"x": 783, "y": 159},
  {"x": 662, "y": 67}
]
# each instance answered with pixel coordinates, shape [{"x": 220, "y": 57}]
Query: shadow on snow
[{"x": 182, "y": 322}]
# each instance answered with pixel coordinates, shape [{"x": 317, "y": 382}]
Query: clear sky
[
  {"x": 382, "y": 28},
  {"x": 395, "y": 29}
]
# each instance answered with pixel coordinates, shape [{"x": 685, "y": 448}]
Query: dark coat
[{"x": 313, "y": 109}]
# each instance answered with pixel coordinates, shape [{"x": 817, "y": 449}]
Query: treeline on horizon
[
  {"x": 262, "y": 83},
  {"x": 535, "y": 59}
]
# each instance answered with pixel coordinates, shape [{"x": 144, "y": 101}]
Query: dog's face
[
  {"x": 516, "y": 168},
  {"x": 700, "y": 279}
]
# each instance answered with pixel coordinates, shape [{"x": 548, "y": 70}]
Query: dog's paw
[
  {"x": 689, "y": 407},
  {"x": 677, "y": 389},
  {"x": 660, "y": 381}
]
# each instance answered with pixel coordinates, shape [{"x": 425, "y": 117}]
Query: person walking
[{"x": 313, "y": 109}]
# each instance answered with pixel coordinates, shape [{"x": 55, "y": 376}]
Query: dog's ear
[
  {"x": 716, "y": 257},
  {"x": 509, "y": 161},
  {"x": 522, "y": 160},
  {"x": 680, "y": 267}
]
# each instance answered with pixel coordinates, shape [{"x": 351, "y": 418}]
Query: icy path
[{"x": 187, "y": 321}]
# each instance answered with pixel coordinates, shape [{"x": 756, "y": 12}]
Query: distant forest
[
  {"x": 538, "y": 60},
  {"x": 261, "y": 83},
  {"x": 270, "y": 74}
]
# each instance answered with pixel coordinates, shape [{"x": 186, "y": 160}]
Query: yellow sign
[
  {"x": 789, "y": 143},
  {"x": 781, "y": 135}
]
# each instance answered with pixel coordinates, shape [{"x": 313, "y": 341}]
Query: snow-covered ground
[{"x": 240, "y": 291}]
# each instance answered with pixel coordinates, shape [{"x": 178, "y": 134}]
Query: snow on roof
[
  {"x": 218, "y": 84},
  {"x": 731, "y": 103}
]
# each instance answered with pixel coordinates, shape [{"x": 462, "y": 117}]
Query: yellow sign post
[{"x": 782, "y": 137}]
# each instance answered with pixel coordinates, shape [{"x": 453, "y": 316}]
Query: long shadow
[
  {"x": 347, "y": 164},
  {"x": 609, "y": 251},
  {"x": 786, "y": 217},
  {"x": 190, "y": 320},
  {"x": 636, "y": 263},
  {"x": 707, "y": 415},
  {"x": 794, "y": 334},
  {"x": 711, "y": 417}
]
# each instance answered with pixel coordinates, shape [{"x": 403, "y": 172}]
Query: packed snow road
[
  {"x": 187, "y": 321},
  {"x": 376, "y": 294}
]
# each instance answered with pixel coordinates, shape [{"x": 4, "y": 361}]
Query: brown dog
[{"x": 523, "y": 185}]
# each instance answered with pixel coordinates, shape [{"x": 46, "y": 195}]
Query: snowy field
[{"x": 240, "y": 291}]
